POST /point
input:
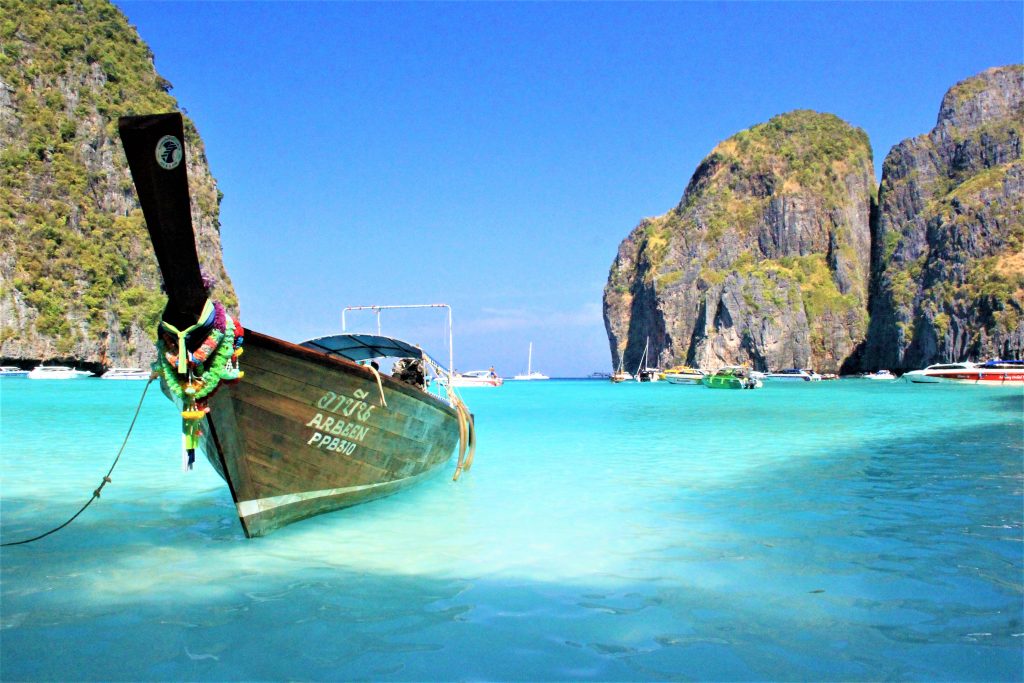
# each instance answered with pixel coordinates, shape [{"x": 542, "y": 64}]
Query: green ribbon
[{"x": 182, "y": 350}]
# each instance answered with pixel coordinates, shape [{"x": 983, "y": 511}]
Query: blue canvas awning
[{"x": 359, "y": 347}]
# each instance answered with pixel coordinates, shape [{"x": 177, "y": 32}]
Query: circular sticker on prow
[{"x": 168, "y": 152}]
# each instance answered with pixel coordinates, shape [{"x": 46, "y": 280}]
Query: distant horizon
[{"x": 494, "y": 155}]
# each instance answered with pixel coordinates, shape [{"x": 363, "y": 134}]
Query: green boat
[{"x": 731, "y": 377}]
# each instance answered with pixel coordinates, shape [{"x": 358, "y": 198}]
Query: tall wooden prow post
[{"x": 155, "y": 147}]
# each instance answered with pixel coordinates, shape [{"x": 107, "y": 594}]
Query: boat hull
[
  {"x": 720, "y": 381},
  {"x": 984, "y": 377},
  {"x": 714, "y": 382},
  {"x": 303, "y": 433},
  {"x": 691, "y": 380},
  {"x": 57, "y": 374},
  {"x": 459, "y": 381}
]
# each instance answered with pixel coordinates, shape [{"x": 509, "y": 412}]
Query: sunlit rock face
[
  {"x": 765, "y": 260},
  {"x": 78, "y": 278},
  {"x": 948, "y": 256}
]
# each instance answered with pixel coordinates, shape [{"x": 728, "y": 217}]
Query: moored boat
[
  {"x": 12, "y": 371},
  {"x": 531, "y": 374},
  {"x": 793, "y": 375},
  {"x": 731, "y": 377},
  {"x": 126, "y": 373},
  {"x": 683, "y": 374},
  {"x": 476, "y": 378},
  {"x": 620, "y": 375},
  {"x": 643, "y": 372},
  {"x": 648, "y": 375},
  {"x": 942, "y": 372},
  {"x": 57, "y": 372},
  {"x": 294, "y": 430},
  {"x": 990, "y": 373},
  {"x": 880, "y": 375}
]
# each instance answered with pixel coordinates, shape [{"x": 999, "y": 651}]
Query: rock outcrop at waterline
[
  {"x": 949, "y": 243},
  {"x": 78, "y": 279},
  {"x": 764, "y": 260}
]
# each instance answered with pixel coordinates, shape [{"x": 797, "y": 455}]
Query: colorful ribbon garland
[{"x": 193, "y": 377}]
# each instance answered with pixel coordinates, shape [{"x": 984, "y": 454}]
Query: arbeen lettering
[{"x": 338, "y": 427}]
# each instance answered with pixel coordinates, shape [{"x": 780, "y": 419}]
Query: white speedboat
[
  {"x": 125, "y": 373},
  {"x": 941, "y": 372},
  {"x": 683, "y": 374},
  {"x": 881, "y": 374},
  {"x": 991, "y": 373},
  {"x": 531, "y": 374},
  {"x": 12, "y": 371},
  {"x": 57, "y": 372},
  {"x": 793, "y": 375},
  {"x": 475, "y": 378}
]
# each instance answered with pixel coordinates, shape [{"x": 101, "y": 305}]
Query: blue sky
[{"x": 493, "y": 155}]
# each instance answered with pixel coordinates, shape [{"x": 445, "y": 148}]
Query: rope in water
[{"x": 106, "y": 479}]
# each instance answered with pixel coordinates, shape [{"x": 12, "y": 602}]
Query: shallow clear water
[{"x": 850, "y": 530}]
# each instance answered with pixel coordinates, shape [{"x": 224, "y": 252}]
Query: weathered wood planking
[{"x": 278, "y": 436}]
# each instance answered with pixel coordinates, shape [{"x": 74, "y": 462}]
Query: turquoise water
[{"x": 849, "y": 530}]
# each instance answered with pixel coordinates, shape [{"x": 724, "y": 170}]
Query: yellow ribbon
[{"x": 182, "y": 350}]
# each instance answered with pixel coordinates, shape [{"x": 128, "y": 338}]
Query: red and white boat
[{"x": 993, "y": 373}]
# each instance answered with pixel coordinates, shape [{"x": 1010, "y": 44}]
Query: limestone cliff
[
  {"x": 949, "y": 243},
  {"x": 764, "y": 260},
  {"x": 78, "y": 279}
]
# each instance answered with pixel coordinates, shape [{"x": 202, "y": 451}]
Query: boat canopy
[{"x": 357, "y": 347}]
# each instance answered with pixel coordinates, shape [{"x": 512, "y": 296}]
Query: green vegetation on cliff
[
  {"x": 78, "y": 257},
  {"x": 800, "y": 151}
]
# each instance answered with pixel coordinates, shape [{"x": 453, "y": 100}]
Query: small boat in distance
[
  {"x": 475, "y": 378},
  {"x": 620, "y": 375},
  {"x": 530, "y": 374},
  {"x": 731, "y": 377},
  {"x": 12, "y": 371},
  {"x": 294, "y": 431},
  {"x": 793, "y": 375},
  {"x": 57, "y": 372},
  {"x": 126, "y": 373},
  {"x": 683, "y": 374},
  {"x": 880, "y": 375}
]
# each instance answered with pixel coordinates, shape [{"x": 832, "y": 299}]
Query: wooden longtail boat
[{"x": 303, "y": 429}]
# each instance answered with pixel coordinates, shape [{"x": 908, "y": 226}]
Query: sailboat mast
[{"x": 643, "y": 359}]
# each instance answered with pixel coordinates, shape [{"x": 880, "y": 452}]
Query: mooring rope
[
  {"x": 106, "y": 479},
  {"x": 380, "y": 385}
]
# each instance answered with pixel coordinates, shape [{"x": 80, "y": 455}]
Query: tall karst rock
[
  {"x": 949, "y": 243},
  {"x": 78, "y": 279},
  {"x": 765, "y": 259}
]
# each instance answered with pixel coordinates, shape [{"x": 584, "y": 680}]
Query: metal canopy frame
[{"x": 377, "y": 309}]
